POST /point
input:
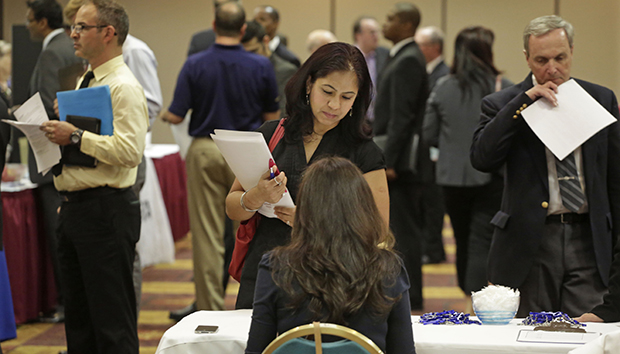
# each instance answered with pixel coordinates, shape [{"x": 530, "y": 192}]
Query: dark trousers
[
  {"x": 432, "y": 211},
  {"x": 97, "y": 239},
  {"x": 564, "y": 276},
  {"x": 404, "y": 222},
  {"x": 471, "y": 210},
  {"x": 49, "y": 201}
]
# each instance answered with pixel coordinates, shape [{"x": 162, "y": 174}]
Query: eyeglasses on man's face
[{"x": 79, "y": 28}]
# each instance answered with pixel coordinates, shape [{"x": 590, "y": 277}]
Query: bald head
[
  {"x": 318, "y": 38},
  {"x": 430, "y": 40},
  {"x": 229, "y": 19}
]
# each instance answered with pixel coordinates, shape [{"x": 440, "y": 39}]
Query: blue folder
[{"x": 92, "y": 102}]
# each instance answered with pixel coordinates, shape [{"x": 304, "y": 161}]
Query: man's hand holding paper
[
  {"x": 30, "y": 116},
  {"x": 565, "y": 126}
]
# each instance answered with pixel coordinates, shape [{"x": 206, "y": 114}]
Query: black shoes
[
  {"x": 57, "y": 316},
  {"x": 179, "y": 314}
]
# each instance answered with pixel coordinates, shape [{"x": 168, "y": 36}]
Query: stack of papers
[{"x": 248, "y": 156}]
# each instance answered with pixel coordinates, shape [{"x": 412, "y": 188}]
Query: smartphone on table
[{"x": 206, "y": 329}]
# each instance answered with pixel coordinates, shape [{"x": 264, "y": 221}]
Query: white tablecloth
[{"x": 463, "y": 339}]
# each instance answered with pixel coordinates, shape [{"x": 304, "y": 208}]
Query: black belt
[
  {"x": 568, "y": 218},
  {"x": 90, "y": 193}
]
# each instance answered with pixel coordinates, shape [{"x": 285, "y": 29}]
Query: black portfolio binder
[{"x": 71, "y": 154}]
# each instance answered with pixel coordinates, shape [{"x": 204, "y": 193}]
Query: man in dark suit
[
  {"x": 399, "y": 109},
  {"x": 44, "y": 21},
  {"x": 366, "y": 37},
  {"x": 269, "y": 18},
  {"x": 430, "y": 40},
  {"x": 256, "y": 40},
  {"x": 555, "y": 247}
]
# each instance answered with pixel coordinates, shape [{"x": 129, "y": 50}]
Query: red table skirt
[
  {"x": 173, "y": 183},
  {"x": 28, "y": 260}
]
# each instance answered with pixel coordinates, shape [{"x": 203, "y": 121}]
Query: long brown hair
[{"x": 333, "y": 256}]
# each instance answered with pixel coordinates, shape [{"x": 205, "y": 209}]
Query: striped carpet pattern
[{"x": 168, "y": 286}]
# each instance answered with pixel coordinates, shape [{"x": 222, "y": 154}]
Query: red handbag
[{"x": 247, "y": 228}]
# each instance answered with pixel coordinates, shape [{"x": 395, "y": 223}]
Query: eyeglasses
[{"x": 79, "y": 28}]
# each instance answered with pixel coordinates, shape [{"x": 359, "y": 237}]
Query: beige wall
[{"x": 168, "y": 25}]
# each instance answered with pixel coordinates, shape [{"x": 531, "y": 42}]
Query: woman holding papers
[
  {"x": 332, "y": 270},
  {"x": 327, "y": 101},
  {"x": 452, "y": 115}
]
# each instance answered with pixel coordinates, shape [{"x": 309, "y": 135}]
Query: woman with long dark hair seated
[
  {"x": 452, "y": 114},
  {"x": 339, "y": 266},
  {"x": 326, "y": 103}
]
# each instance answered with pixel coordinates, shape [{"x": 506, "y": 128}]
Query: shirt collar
[
  {"x": 534, "y": 82},
  {"x": 274, "y": 43},
  {"x": 430, "y": 66},
  {"x": 109, "y": 66},
  {"x": 398, "y": 46},
  {"x": 51, "y": 35}
]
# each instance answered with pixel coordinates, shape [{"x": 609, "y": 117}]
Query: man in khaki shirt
[{"x": 100, "y": 216}]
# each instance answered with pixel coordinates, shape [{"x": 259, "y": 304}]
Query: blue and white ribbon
[{"x": 450, "y": 317}]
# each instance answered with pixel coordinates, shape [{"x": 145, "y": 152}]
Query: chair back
[{"x": 353, "y": 342}]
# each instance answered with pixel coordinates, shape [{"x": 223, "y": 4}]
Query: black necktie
[
  {"x": 89, "y": 76},
  {"x": 570, "y": 187},
  {"x": 57, "y": 169}
]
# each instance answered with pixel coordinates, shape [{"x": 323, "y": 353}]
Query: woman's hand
[
  {"x": 270, "y": 190},
  {"x": 589, "y": 317},
  {"x": 286, "y": 214}
]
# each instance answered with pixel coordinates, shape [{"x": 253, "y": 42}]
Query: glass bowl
[{"x": 495, "y": 317}]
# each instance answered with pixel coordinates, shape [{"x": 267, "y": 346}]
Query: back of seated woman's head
[{"x": 340, "y": 251}]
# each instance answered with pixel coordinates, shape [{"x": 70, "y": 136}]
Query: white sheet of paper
[
  {"x": 30, "y": 115},
  {"x": 528, "y": 335},
  {"x": 248, "y": 156},
  {"x": 576, "y": 118}
]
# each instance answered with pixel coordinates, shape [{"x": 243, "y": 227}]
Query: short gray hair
[
  {"x": 435, "y": 35},
  {"x": 545, "y": 24}
]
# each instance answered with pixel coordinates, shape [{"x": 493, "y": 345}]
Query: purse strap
[{"x": 277, "y": 135}]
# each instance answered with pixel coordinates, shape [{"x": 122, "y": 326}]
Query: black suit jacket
[
  {"x": 609, "y": 310},
  {"x": 402, "y": 91},
  {"x": 382, "y": 57},
  {"x": 440, "y": 71},
  {"x": 201, "y": 41},
  {"x": 58, "y": 54},
  {"x": 283, "y": 52},
  {"x": 501, "y": 139}
]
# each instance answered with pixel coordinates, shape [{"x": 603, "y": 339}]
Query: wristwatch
[{"x": 76, "y": 136}]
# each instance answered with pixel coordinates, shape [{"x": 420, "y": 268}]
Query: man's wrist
[{"x": 76, "y": 137}]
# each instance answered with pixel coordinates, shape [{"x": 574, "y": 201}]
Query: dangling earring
[
  {"x": 351, "y": 112},
  {"x": 308, "y": 99}
]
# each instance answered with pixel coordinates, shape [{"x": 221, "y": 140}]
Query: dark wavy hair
[
  {"x": 327, "y": 59},
  {"x": 333, "y": 260},
  {"x": 473, "y": 59}
]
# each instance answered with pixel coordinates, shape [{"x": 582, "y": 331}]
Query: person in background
[
  {"x": 558, "y": 221},
  {"x": 204, "y": 39},
  {"x": 366, "y": 38},
  {"x": 452, "y": 114},
  {"x": 327, "y": 101},
  {"x": 334, "y": 270},
  {"x": 402, "y": 91},
  {"x": 318, "y": 38},
  {"x": 142, "y": 62},
  {"x": 99, "y": 220},
  {"x": 255, "y": 40},
  {"x": 44, "y": 22},
  {"x": 5, "y": 69},
  {"x": 218, "y": 103},
  {"x": 269, "y": 18},
  {"x": 430, "y": 40},
  {"x": 432, "y": 209}
]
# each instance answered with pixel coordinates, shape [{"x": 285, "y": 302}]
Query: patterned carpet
[{"x": 169, "y": 286}]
